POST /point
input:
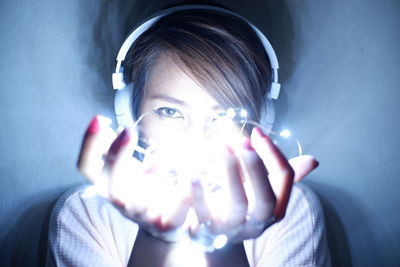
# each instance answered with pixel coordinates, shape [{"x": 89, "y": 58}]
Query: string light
[
  {"x": 285, "y": 133},
  {"x": 181, "y": 158}
]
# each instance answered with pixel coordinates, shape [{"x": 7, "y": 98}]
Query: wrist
[
  {"x": 150, "y": 251},
  {"x": 157, "y": 239},
  {"x": 230, "y": 255},
  {"x": 171, "y": 236}
]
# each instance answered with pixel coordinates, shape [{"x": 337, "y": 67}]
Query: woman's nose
[{"x": 201, "y": 129}]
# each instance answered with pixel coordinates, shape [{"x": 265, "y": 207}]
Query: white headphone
[{"x": 123, "y": 95}]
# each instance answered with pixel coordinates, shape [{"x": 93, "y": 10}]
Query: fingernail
[
  {"x": 259, "y": 132},
  {"x": 117, "y": 202},
  {"x": 122, "y": 139},
  {"x": 229, "y": 150},
  {"x": 247, "y": 145},
  {"x": 94, "y": 125},
  {"x": 97, "y": 123},
  {"x": 316, "y": 163}
]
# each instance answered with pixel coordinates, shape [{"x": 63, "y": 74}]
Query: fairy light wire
[{"x": 221, "y": 126}]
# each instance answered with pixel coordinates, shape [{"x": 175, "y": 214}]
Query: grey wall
[{"x": 339, "y": 67}]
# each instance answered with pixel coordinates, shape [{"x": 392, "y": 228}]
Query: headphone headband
[{"x": 122, "y": 103}]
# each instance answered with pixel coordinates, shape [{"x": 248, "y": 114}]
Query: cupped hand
[
  {"x": 135, "y": 187},
  {"x": 259, "y": 182}
]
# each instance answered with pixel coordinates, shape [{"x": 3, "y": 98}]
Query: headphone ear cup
[
  {"x": 123, "y": 106},
  {"x": 267, "y": 117},
  {"x": 124, "y": 115}
]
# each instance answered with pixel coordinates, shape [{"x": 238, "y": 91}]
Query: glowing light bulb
[
  {"x": 243, "y": 113},
  {"x": 285, "y": 133},
  {"x": 220, "y": 241},
  {"x": 231, "y": 113}
]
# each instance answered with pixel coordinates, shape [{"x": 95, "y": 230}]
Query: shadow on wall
[
  {"x": 336, "y": 234},
  {"x": 107, "y": 28},
  {"x": 354, "y": 236},
  {"x": 273, "y": 18}
]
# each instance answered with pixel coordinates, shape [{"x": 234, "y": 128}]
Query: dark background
[{"x": 340, "y": 72}]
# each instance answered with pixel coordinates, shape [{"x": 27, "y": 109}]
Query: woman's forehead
[{"x": 169, "y": 80}]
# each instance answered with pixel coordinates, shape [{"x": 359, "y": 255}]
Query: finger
[
  {"x": 237, "y": 194},
  {"x": 199, "y": 202},
  {"x": 120, "y": 154},
  {"x": 135, "y": 195},
  {"x": 302, "y": 166},
  {"x": 96, "y": 142},
  {"x": 115, "y": 154},
  {"x": 175, "y": 215},
  {"x": 280, "y": 172},
  {"x": 263, "y": 196},
  {"x": 253, "y": 228},
  {"x": 123, "y": 171},
  {"x": 168, "y": 206}
]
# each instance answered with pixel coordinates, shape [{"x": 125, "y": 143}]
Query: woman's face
[
  {"x": 182, "y": 122},
  {"x": 177, "y": 110}
]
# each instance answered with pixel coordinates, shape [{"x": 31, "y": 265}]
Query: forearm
[{"x": 149, "y": 251}]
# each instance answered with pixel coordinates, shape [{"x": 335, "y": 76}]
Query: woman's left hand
[{"x": 259, "y": 181}]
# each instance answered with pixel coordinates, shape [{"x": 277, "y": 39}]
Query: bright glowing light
[
  {"x": 181, "y": 156},
  {"x": 285, "y": 133},
  {"x": 243, "y": 113},
  {"x": 220, "y": 241},
  {"x": 173, "y": 156},
  {"x": 187, "y": 253},
  {"x": 231, "y": 113}
]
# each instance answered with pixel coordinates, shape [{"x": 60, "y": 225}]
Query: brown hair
[{"x": 219, "y": 51}]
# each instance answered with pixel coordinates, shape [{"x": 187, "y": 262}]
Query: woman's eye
[{"x": 168, "y": 113}]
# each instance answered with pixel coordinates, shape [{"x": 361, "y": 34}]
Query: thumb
[{"x": 302, "y": 166}]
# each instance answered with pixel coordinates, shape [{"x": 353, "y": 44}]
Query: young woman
[{"x": 191, "y": 66}]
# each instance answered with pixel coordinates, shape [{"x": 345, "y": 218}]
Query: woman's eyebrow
[{"x": 169, "y": 99}]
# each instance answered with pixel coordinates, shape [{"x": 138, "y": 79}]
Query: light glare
[
  {"x": 220, "y": 241},
  {"x": 285, "y": 133},
  {"x": 243, "y": 113},
  {"x": 231, "y": 113}
]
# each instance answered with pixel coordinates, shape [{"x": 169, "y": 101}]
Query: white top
[{"x": 90, "y": 231}]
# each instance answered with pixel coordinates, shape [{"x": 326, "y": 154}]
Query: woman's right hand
[{"x": 134, "y": 187}]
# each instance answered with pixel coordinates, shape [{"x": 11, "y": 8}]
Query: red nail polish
[
  {"x": 247, "y": 145},
  {"x": 94, "y": 125},
  {"x": 230, "y": 150},
  {"x": 259, "y": 132},
  {"x": 122, "y": 139},
  {"x": 117, "y": 202}
]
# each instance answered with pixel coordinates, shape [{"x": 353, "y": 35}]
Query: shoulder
[
  {"x": 299, "y": 239},
  {"x": 304, "y": 203},
  {"x": 304, "y": 214},
  {"x": 80, "y": 207},
  {"x": 81, "y": 202},
  {"x": 84, "y": 223}
]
